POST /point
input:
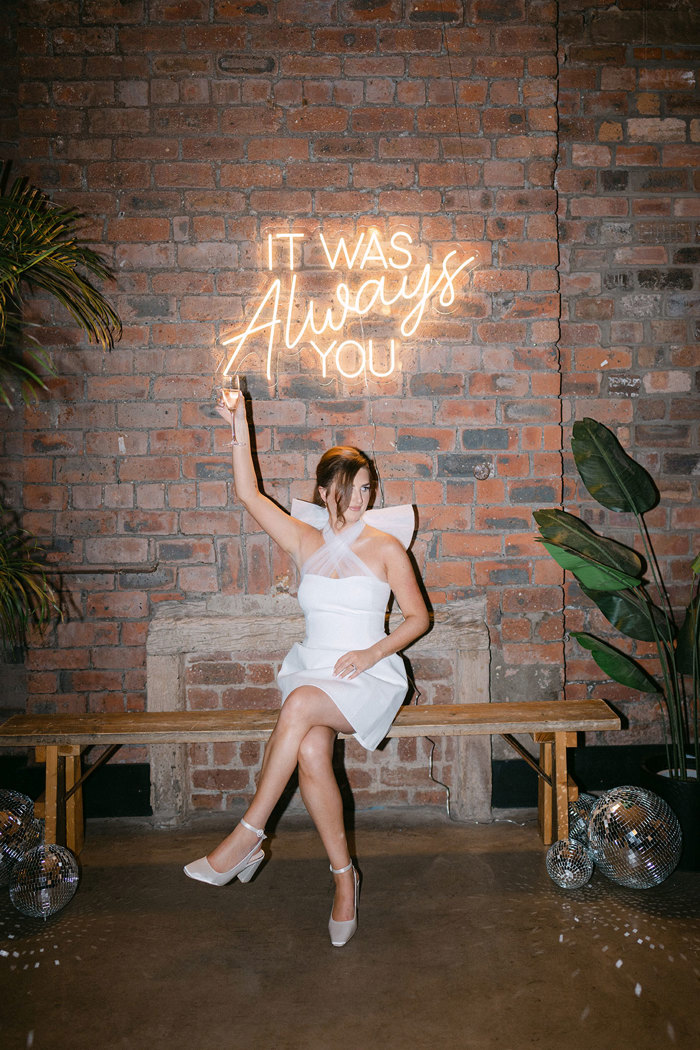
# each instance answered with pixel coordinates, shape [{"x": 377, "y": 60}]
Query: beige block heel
[
  {"x": 202, "y": 871},
  {"x": 341, "y": 932}
]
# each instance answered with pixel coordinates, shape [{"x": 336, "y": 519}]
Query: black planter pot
[{"x": 683, "y": 796}]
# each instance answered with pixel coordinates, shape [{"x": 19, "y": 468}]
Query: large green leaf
[
  {"x": 565, "y": 530},
  {"x": 631, "y": 612},
  {"x": 689, "y": 639},
  {"x": 590, "y": 574},
  {"x": 612, "y": 477},
  {"x": 618, "y": 666}
]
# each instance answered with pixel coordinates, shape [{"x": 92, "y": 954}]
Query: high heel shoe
[
  {"x": 341, "y": 932},
  {"x": 202, "y": 871}
]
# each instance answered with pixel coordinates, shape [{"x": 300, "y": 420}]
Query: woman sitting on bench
[{"x": 345, "y": 677}]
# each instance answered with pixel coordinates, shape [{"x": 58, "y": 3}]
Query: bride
[{"x": 346, "y": 676}]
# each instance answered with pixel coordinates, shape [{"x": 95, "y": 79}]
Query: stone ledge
[{"x": 256, "y": 621}]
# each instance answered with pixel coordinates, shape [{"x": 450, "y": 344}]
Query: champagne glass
[{"x": 230, "y": 393}]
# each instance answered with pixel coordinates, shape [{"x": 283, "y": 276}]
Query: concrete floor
[{"x": 463, "y": 942}]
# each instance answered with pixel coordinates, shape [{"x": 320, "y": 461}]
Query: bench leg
[
  {"x": 53, "y": 795},
  {"x": 562, "y": 781},
  {"x": 545, "y": 808},
  {"x": 63, "y": 818},
  {"x": 74, "y": 805},
  {"x": 40, "y": 802}
]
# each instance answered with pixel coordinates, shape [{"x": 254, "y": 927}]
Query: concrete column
[{"x": 169, "y": 787}]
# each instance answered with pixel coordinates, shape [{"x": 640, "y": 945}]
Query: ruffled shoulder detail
[
  {"x": 399, "y": 522},
  {"x": 310, "y": 513}
]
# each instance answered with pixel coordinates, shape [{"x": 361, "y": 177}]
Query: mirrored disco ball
[
  {"x": 5, "y": 869},
  {"x": 579, "y": 814},
  {"x": 569, "y": 864},
  {"x": 31, "y": 834},
  {"x": 634, "y": 836},
  {"x": 16, "y": 813},
  {"x": 15, "y": 810},
  {"x": 43, "y": 881}
]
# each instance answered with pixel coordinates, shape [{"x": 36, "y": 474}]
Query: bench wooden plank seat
[{"x": 61, "y": 738}]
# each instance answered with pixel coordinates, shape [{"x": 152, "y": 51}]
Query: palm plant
[
  {"x": 612, "y": 575},
  {"x": 40, "y": 248},
  {"x": 26, "y": 596}
]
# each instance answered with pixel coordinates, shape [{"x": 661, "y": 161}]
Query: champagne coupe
[{"x": 230, "y": 394}]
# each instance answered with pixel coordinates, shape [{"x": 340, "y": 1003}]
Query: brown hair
[{"x": 340, "y": 465}]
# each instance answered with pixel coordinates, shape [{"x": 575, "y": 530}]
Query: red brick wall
[
  {"x": 361, "y": 109},
  {"x": 628, "y": 181},
  {"x": 397, "y": 772}
]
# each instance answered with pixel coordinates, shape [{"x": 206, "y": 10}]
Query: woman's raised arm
[{"x": 293, "y": 536}]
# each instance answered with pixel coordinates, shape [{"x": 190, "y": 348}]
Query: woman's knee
[
  {"x": 300, "y": 707},
  {"x": 316, "y": 750},
  {"x": 293, "y": 711}
]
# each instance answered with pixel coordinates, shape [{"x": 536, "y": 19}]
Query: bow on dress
[{"x": 399, "y": 522}]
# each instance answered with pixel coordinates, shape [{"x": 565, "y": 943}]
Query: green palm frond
[
  {"x": 23, "y": 361},
  {"x": 27, "y": 599},
  {"x": 40, "y": 249}
]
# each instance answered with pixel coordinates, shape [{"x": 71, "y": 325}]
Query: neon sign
[{"x": 378, "y": 277}]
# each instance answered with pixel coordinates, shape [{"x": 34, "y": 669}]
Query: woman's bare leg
[
  {"x": 304, "y": 709},
  {"x": 322, "y": 798}
]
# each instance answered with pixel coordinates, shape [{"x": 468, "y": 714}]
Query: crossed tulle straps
[{"x": 335, "y": 558}]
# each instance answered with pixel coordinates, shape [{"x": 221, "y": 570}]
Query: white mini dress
[{"x": 344, "y": 606}]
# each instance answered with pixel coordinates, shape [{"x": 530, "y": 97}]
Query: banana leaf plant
[
  {"x": 40, "y": 249},
  {"x": 614, "y": 577}
]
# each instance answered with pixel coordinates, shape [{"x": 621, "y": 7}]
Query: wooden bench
[{"x": 61, "y": 739}]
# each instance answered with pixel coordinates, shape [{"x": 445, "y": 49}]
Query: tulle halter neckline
[
  {"x": 335, "y": 558},
  {"x": 346, "y": 537}
]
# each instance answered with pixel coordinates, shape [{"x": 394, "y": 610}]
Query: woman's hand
[
  {"x": 225, "y": 413},
  {"x": 355, "y": 662},
  {"x": 239, "y": 412}
]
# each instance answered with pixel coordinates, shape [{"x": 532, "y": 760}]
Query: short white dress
[{"x": 344, "y": 605}]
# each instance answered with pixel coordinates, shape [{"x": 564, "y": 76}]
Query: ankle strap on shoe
[
  {"x": 340, "y": 871},
  {"x": 258, "y": 831}
]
